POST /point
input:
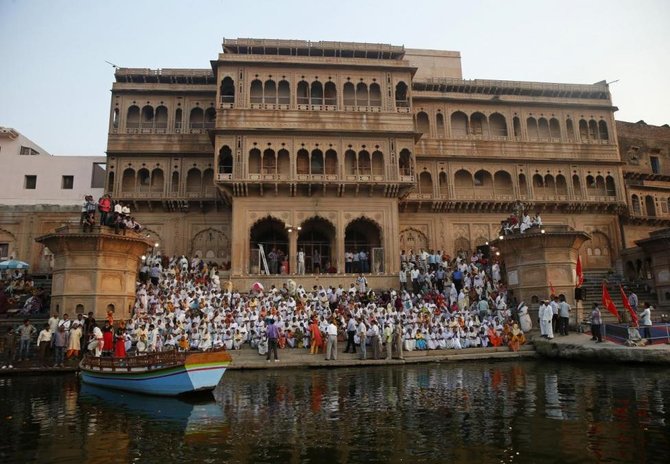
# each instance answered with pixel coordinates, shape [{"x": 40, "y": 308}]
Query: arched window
[
  {"x": 270, "y": 92},
  {"x": 227, "y": 90},
  {"x": 362, "y": 96},
  {"x": 425, "y": 183},
  {"x": 443, "y": 184},
  {"x": 531, "y": 127},
  {"x": 316, "y": 93},
  {"x": 405, "y": 163},
  {"x": 364, "y": 163},
  {"x": 439, "y": 125},
  {"x": 208, "y": 180},
  {"x": 610, "y": 187},
  {"x": 570, "y": 130},
  {"x": 316, "y": 240},
  {"x": 157, "y": 180},
  {"x": 635, "y": 200},
  {"x": 194, "y": 181},
  {"x": 256, "y": 91},
  {"x": 375, "y": 95},
  {"x": 147, "y": 117},
  {"x": 210, "y": 117},
  {"x": 133, "y": 118},
  {"x": 303, "y": 93},
  {"x": 377, "y": 163},
  {"x": 463, "y": 180},
  {"x": 316, "y": 162},
  {"x": 161, "y": 117},
  {"x": 197, "y": 119},
  {"x": 269, "y": 162},
  {"x": 502, "y": 183},
  {"x": 554, "y": 129},
  {"x": 254, "y": 161},
  {"x": 302, "y": 162},
  {"x": 284, "y": 93},
  {"x": 331, "y": 162},
  {"x": 483, "y": 178},
  {"x": 600, "y": 186},
  {"x": 538, "y": 182},
  {"x": 498, "y": 125},
  {"x": 459, "y": 124},
  {"x": 561, "y": 185},
  {"x": 650, "y": 205},
  {"x": 549, "y": 185},
  {"x": 270, "y": 233},
  {"x": 330, "y": 94},
  {"x": 422, "y": 124},
  {"x": 349, "y": 94},
  {"x": 177, "y": 119},
  {"x": 401, "y": 100},
  {"x": 225, "y": 160},
  {"x": 583, "y": 131},
  {"x": 479, "y": 124},
  {"x": 283, "y": 163},
  {"x": 143, "y": 180},
  {"x": 174, "y": 184},
  {"x": 128, "y": 180},
  {"x": 543, "y": 128},
  {"x": 523, "y": 186},
  {"x": 603, "y": 133},
  {"x": 110, "y": 182}
]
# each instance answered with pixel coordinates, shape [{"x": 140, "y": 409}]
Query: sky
[{"x": 55, "y": 84}]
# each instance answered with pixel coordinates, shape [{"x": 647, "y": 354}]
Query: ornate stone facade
[{"x": 330, "y": 146}]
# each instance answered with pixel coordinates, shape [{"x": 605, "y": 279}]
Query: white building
[
  {"x": 29, "y": 175},
  {"x": 40, "y": 191}
]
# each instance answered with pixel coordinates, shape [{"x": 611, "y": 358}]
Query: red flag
[
  {"x": 551, "y": 287},
  {"x": 580, "y": 272},
  {"x": 608, "y": 303},
  {"x": 626, "y": 305}
]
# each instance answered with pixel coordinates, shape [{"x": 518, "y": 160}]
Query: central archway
[
  {"x": 363, "y": 236},
  {"x": 272, "y": 235},
  {"x": 317, "y": 241}
]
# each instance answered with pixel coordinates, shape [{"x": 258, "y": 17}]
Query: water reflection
[{"x": 511, "y": 412}]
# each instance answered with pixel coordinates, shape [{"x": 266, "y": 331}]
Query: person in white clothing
[
  {"x": 546, "y": 315},
  {"x": 331, "y": 346},
  {"x": 301, "y": 262}
]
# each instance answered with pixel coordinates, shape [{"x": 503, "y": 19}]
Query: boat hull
[{"x": 198, "y": 373}]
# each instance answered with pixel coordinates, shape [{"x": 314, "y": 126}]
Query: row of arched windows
[
  {"x": 478, "y": 124},
  {"x": 145, "y": 180},
  {"x": 315, "y": 93},
  {"x": 502, "y": 183},
  {"x": 315, "y": 162},
  {"x": 149, "y": 118}
]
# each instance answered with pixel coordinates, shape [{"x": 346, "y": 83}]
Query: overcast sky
[{"x": 54, "y": 82}]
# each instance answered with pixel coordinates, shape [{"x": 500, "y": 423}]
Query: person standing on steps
[
  {"x": 563, "y": 315},
  {"x": 596, "y": 324},
  {"x": 351, "y": 333},
  {"x": 273, "y": 337},
  {"x": 331, "y": 347},
  {"x": 645, "y": 322},
  {"x": 362, "y": 335}
]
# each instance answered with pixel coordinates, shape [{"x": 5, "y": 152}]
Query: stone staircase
[{"x": 593, "y": 288}]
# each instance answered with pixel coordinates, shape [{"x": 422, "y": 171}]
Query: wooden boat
[{"x": 168, "y": 373}]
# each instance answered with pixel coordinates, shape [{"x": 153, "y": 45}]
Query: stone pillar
[
  {"x": 540, "y": 258},
  {"x": 657, "y": 246},
  {"x": 293, "y": 251},
  {"x": 94, "y": 271}
]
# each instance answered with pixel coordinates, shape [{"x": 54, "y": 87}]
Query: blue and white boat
[{"x": 168, "y": 373}]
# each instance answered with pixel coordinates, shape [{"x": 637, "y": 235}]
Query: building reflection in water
[{"x": 512, "y": 411}]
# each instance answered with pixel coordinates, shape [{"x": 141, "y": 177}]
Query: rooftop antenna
[
  {"x": 112, "y": 64},
  {"x": 612, "y": 82}
]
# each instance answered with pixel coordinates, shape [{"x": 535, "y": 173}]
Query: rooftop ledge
[
  {"x": 309, "y": 48},
  {"x": 599, "y": 90}
]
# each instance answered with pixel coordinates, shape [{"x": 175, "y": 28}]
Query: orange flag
[
  {"x": 552, "y": 289},
  {"x": 580, "y": 272},
  {"x": 608, "y": 303},
  {"x": 626, "y": 305}
]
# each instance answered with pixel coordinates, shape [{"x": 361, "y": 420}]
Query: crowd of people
[{"x": 458, "y": 303}]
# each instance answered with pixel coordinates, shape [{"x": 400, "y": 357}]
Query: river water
[{"x": 476, "y": 412}]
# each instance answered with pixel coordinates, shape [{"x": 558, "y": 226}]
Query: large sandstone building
[{"x": 327, "y": 147}]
